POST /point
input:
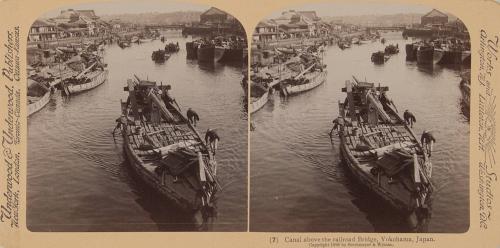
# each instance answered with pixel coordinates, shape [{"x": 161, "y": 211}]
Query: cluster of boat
[
  {"x": 165, "y": 150},
  {"x": 219, "y": 49},
  {"x": 439, "y": 51},
  {"x": 161, "y": 55},
  {"x": 381, "y": 57},
  {"x": 295, "y": 71},
  {"x": 381, "y": 150},
  {"x": 72, "y": 70},
  {"x": 124, "y": 42},
  {"x": 359, "y": 40}
]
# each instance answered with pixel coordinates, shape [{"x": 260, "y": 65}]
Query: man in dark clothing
[
  {"x": 165, "y": 94},
  {"x": 427, "y": 140},
  {"x": 385, "y": 100},
  {"x": 212, "y": 139},
  {"x": 409, "y": 118},
  {"x": 192, "y": 117}
]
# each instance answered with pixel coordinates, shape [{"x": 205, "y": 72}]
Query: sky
[
  {"x": 357, "y": 9},
  {"x": 126, "y": 7},
  {"x": 322, "y": 9}
]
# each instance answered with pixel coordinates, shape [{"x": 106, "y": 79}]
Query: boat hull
[
  {"x": 411, "y": 52},
  {"x": 95, "y": 81},
  {"x": 38, "y": 105},
  {"x": 314, "y": 82},
  {"x": 455, "y": 57},
  {"x": 210, "y": 54},
  {"x": 258, "y": 104},
  {"x": 354, "y": 167},
  {"x": 186, "y": 201},
  {"x": 429, "y": 56},
  {"x": 232, "y": 55},
  {"x": 191, "y": 50}
]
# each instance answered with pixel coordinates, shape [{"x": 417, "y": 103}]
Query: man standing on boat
[
  {"x": 409, "y": 118},
  {"x": 427, "y": 140},
  {"x": 192, "y": 116},
  {"x": 212, "y": 139},
  {"x": 165, "y": 94}
]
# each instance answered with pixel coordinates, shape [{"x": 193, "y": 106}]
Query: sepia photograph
[
  {"x": 360, "y": 120},
  {"x": 137, "y": 120}
]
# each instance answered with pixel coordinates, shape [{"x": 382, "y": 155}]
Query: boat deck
[{"x": 377, "y": 136}]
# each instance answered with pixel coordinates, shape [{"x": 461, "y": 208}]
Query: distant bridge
[
  {"x": 387, "y": 28},
  {"x": 166, "y": 26}
]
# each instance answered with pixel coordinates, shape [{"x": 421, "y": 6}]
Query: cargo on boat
[
  {"x": 381, "y": 151},
  {"x": 164, "y": 150},
  {"x": 391, "y": 49},
  {"x": 160, "y": 56},
  {"x": 379, "y": 57},
  {"x": 172, "y": 47}
]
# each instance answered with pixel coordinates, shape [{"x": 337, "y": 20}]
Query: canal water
[
  {"x": 297, "y": 180},
  {"x": 78, "y": 179}
]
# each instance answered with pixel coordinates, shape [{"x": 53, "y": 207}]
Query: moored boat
[
  {"x": 428, "y": 54},
  {"x": 38, "y": 96},
  {"x": 379, "y": 57},
  {"x": 90, "y": 78},
  {"x": 160, "y": 56},
  {"x": 172, "y": 47},
  {"x": 304, "y": 82},
  {"x": 381, "y": 151},
  {"x": 259, "y": 96},
  {"x": 210, "y": 53},
  {"x": 411, "y": 51},
  {"x": 391, "y": 49},
  {"x": 123, "y": 44},
  {"x": 192, "y": 49},
  {"x": 164, "y": 150}
]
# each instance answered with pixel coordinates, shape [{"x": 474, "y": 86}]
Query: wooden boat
[
  {"x": 123, "y": 44},
  {"x": 38, "y": 96},
  {"x": 210, "y": 53},
  {"x": 356, "y": 41},
  {"x": 164, "y": 150},
  {"x": 192, "y": 49},
  {"x": 381, "y": 151},
  {"x": 379, "y": 57},
  {"x": 160, "y": 56},
  {"x": 308, "y": 80},
  {"x": 259, "y": 96},
  {"x": 428, "y": 54},
  {"x": 88, "y": 79},
  {"x": 343, "y": 45},
  {"x": 391, "y": 49},
  {"x": 172, "y": 47},
  {"x": 411, "y": 51}
]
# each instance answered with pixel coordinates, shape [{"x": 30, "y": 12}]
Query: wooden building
[{"x": 433, "y": 18}]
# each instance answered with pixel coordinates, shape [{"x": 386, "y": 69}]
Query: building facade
[{"x": 433, "y": 18}]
